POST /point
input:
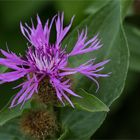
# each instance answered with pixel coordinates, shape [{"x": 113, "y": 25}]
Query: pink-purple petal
[
  {"x": 12, "y": 76},
  {"x": 82, "y": 47},
  {"x": 61, "y": 31}
]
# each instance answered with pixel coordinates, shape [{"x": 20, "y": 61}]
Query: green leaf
[
  {"x": 71, "y": 8},
  {"x": 96, "y": 5},
  {"x": 78, "y": 124},
  {"x": 66, "y": 131},
  {"x": 108, "y": 23},
  {"x": 133, "y": 37},
  {"x": 12, "y": 131},
  {"x": 125, "y": 6},
  {"x": 89, "y": 102},
  {"x": 3, "y": 69},
  {"x": 7, "y": 114}
]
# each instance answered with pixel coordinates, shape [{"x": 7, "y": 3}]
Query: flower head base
[{"x": 46, "y": 60}]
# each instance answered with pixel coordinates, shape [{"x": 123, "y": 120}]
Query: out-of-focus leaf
[
  {"x": 7, "y": 114},
  {"x": 96, "y": 5},
  {"x": 133, "y": 37},
  {"x": 10, "y": 16},
  {"x": 3, "y": 69},
  {"x": 108, "y": 23},
  {"x": 71, "y": 8},
  {"x": 12, "y": 131},
  {"x": 125, "y": 7},
  {"x": 89, "y": 103}
]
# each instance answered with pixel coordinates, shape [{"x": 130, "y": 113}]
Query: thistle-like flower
[{"x": 44, "y": 60}]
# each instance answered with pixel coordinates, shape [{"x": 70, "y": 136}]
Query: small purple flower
[{"x": 46, "y": 60}]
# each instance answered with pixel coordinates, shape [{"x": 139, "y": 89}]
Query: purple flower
[{"x": 46, "y": 60}]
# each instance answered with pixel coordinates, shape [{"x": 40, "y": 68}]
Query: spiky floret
[{"x": 46, "y": 60}]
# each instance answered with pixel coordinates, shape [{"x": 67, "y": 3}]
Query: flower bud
[{"x": 39, "y": 124}]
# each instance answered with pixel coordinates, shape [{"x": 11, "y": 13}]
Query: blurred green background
[{"x": 123, "y": 121}]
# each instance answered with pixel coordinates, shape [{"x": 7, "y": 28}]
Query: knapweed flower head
[{"x": 44, "y": 60}]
